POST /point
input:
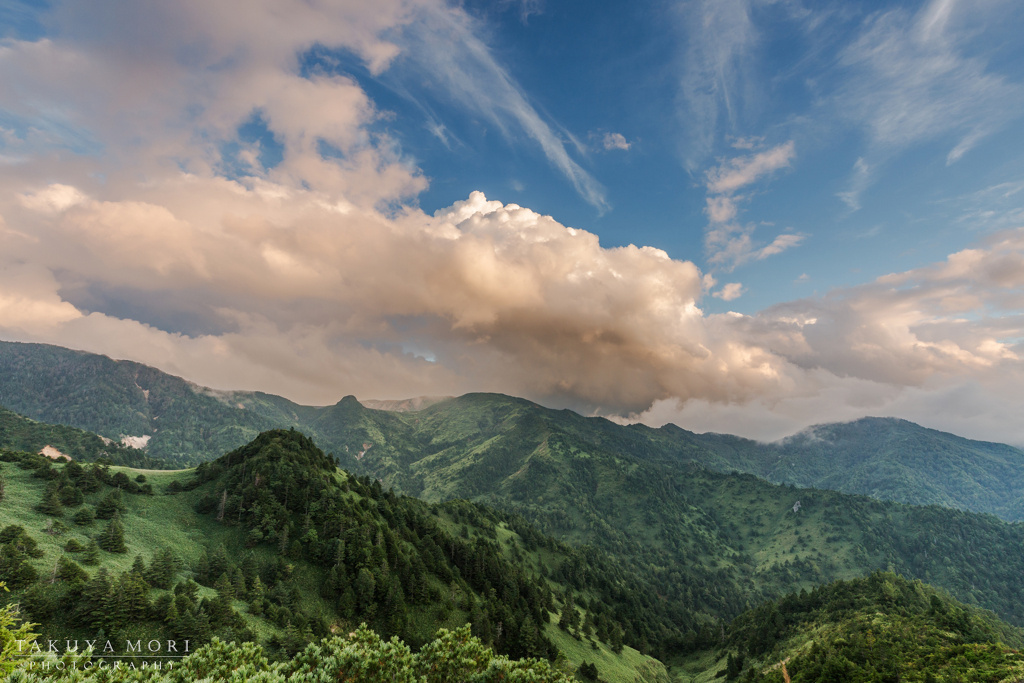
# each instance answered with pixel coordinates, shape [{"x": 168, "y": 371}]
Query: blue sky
[
  {"x": 735, "y": 215},
  {"x": 774, "y": 72}
]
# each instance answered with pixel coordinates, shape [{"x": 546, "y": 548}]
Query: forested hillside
[
  {"x": 272, "y": 543},
  {"x": 18, "y": 433},
  {"x": 877, "y": 628},
  {"x": 710, "y": 542},
  {"x": 885, "y": 458},
  {"x": 185, "y": 424}
]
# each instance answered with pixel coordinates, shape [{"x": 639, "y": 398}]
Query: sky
[{"x": 743, "y": 216}]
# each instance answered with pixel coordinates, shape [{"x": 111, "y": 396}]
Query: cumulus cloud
[
  {"x": 321, "y": 277},
  {"x": 939, "y": 345}
]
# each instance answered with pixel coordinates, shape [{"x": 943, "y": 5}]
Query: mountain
[
  {"x": 18, "y": 433},
  {"x": 272, "y": 543},
  {"x": 709, "y": 542},
  {"x": 885, "y": 458},
  {"x": 185, "y": 424},
  {"x": 709, "y": 545}
]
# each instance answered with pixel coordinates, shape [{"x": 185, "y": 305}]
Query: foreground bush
[{"x": 361, "y": 657}]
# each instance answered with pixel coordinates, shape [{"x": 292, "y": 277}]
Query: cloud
[
  {"x": 615, "y": 141},
  {"x": 940, "y": 345},
  {"x": 731, "y": 291},
  {"x": 320, "y": 276},
  {"x": 720, "y": 209},
  {"x": 716, "y": 80},
  {"x": 441, "y": 44},
  {"x": 910, "y": 78},
  {"x": 736, "y": 173},
  {"x": 859, "y": 181},
  {"x": 728, "y": 243}
]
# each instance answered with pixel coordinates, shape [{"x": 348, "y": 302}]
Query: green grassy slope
[{"x": 315, "y": 537}]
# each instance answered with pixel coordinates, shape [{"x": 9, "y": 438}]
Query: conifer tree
[
  {"x": 51, "y": 504},
  {"x": 91, "y": 555},
  {"x": 111, "y": 504},
  {"x": 84, "y": 517},
  {"x": 238, "y": 584},
  {"x": 71, "y": 496},
  {"x": 112, "y": 538}
]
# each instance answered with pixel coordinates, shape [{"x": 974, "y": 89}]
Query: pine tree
[
  {"x": 282, "y": 544},
  {"x": 224, "y": 587},
  {"x": 172, "y": 614},
  {"x": 71, "y": 496},
  {"x": 91, "y": 607},
  {"x": 112, "y": 538},
  {"x": 51, "y": 504},
  {"x": 84, "y": 517},
  {"x": 110, "y": 505},
  {"x": 616, "y": 639},
  {"x": 365, "y": 587},
  {"x": 238, "y": 583},
  {"x": 91, "y": 555}
]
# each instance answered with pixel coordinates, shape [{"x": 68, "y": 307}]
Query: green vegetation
[
  {"x": 19, "y": 433},
  {"x": 884, "y": 458},
  {"x": 878, "y": 628},
  {"x": 271, "y": 543},
  {"x": 361, "y": 657},
  {"x": 556, "y": 536},
  {"x": 709, "y": 544}
]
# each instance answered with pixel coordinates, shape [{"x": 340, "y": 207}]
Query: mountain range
[
  {"x": 665, "y": 534},
  {"x": 184, "y": 424}
]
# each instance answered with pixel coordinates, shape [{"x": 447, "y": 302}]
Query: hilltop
[{"x": 272, "y": 543}]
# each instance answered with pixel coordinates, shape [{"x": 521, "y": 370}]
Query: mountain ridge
[{"x": 887, "y": 458}]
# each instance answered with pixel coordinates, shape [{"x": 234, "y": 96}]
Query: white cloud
[
  {"x": 53, "y": 198},
  {"x": 442, "y": 44},
  {"x": 716, "y": 79},
  {"x": 615, "y": 141},
  {"x": 320, "y": 277},
  {"x": 728, "y": 243},
  {"x": 913, "y": 78},
  {"x": 741, "y": 171},
  {"x": 731, "y": 291},
  {"x": 720, "y": 209}
]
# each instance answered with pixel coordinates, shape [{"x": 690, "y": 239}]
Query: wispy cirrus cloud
[
  {"x": 715, "y": 82},
  {"x": 908, "y": 78},
  {"x": 442, "y": 43}
]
